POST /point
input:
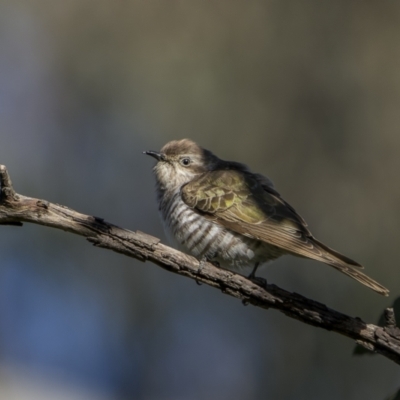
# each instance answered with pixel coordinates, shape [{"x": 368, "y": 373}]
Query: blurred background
[{"x": 306, "y": 92}]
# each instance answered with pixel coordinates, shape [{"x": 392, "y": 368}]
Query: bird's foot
[
  {"x": 256, "y": 279},
  {"x": 215, "y": 263},
  {"x": 202, "y": 262},
  {"x": 262, "y": 282},
  {"x": 201, "y": 266}
]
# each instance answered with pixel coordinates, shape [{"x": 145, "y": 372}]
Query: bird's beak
[{"x": 158, "y": 156}]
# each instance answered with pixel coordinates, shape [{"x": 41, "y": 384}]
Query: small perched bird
[{"x": 222, "y": 212}]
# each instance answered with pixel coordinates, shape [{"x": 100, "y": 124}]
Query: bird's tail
[{"x": 348, "y": 267}]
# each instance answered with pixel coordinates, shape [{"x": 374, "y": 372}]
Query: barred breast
[{"x": 206, "y": 239}]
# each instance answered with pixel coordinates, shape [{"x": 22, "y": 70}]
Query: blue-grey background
[{"x": 306, "y": 92}]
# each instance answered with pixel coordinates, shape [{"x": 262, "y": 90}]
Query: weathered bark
[{"x": 15, "y": 209}]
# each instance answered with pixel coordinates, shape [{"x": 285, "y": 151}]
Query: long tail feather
[
  {"x": 362, "y": 278},
  {"x": 328, "y": 253},
  {"x": 349, "y": 267}
]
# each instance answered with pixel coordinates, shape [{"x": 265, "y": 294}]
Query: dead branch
[{"x": 15, "y": 209}]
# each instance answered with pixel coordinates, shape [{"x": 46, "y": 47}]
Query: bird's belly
[{"x": 207, "y": 239}]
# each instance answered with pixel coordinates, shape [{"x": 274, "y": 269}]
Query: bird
[{"x": 222, "y": 212}]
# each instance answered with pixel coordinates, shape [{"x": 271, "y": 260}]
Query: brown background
[{"x": 304, "y": 91}]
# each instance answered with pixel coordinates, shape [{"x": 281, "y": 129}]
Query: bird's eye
[{"x": 185, "y": 161}]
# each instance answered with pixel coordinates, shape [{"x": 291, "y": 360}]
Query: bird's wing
[{"x": 245, "y": 203}]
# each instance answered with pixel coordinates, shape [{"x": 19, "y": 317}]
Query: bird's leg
[
  {"x": 202, "y": 262},
  {"x": 257, "y": 279}
]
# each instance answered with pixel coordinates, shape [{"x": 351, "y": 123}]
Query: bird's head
[{"x": 180, "y": 161}]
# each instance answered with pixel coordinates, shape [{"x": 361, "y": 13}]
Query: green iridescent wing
[{"x": 248, "y": 204}]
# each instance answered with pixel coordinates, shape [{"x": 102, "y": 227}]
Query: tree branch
[{"x": 15, "y": 209}]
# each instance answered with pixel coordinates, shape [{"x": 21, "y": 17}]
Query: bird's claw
[
  {"x": 201, "y": 266},
  {"x": 262, "y": 282}
]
